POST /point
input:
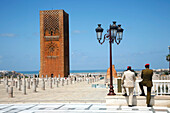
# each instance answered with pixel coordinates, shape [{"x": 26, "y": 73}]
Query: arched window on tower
[
  {"x": 51, "y": 33},
  {"x": 51, "y": 75}
]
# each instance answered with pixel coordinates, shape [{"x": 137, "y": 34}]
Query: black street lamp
[
  {"x": 114, "y": 34},
  {"x": 168, "y": 58}
]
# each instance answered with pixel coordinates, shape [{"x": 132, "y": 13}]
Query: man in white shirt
[{"x": 129, "y": 82}]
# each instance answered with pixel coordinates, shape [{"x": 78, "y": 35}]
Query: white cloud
[
  {"x": 36, "y": 34},
  {"x": 76, "y": 31},
  {"x": 7, "y": 35}
]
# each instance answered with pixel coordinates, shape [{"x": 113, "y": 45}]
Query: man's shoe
[
  {"x": 130, "y": 105},
  {"x": 149, "y": 105},
  {"x": 143, "y": 94},
  {"x": 125, "y": 94}
]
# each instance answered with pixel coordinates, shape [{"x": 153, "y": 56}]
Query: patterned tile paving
[{"x": 78, "y": 108}]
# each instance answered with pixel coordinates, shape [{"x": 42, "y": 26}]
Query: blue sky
[{"x": 146, "y": 36}]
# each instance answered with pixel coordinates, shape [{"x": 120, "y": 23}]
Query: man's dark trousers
[
  {"x": 148, "y": 98},
  {"x": 146, "y": 75}
]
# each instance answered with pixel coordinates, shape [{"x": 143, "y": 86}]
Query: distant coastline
[{"x": 76, "y": 71}]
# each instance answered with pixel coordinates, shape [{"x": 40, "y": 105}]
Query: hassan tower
[{"x": 54, "y": 43}]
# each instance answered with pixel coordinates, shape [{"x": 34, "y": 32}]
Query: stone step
[{"x": 138, "y": 100}]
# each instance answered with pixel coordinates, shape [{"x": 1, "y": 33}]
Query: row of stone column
[
  {"x": 34, "y": 82},
  {"x": 18, "y": 84},
  {"x": 93, "y": 79}
]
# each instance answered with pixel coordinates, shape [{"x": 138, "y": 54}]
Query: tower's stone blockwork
[{"x": 54, "y": 43}]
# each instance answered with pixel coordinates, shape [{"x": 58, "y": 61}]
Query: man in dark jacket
[{"x": 146, "y": 75}]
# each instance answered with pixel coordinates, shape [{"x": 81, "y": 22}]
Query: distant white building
[{"x": 4, "y": 71}]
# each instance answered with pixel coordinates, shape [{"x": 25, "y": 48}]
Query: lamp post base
[{"x": 111, "y": 92}]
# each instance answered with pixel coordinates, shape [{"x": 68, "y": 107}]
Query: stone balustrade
[{"x": 160, "y": 87}]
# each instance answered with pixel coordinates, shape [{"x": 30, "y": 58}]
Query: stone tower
[{"x": 54, "y": 43}]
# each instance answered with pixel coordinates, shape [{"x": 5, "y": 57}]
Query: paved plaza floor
[
  {"x": 78, "y": 108},
  {"x": 73, "y": 98},
  {"x": 80, "y": 92}
]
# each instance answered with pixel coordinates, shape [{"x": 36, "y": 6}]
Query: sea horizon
[{"x": 77, "y": 71}]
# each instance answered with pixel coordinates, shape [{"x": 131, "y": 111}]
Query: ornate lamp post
[
  {"x": 114, "y": 34},
  {"x": 168, "y": 58}
]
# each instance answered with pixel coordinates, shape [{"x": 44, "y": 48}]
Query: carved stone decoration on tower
[{"x": 54, "y": 43}]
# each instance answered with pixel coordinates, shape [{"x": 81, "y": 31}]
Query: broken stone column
[
  {"x": 95, "y": 79},
  {"x": 46, "y": 77},
  {"x": 18, "y": 80},
  {"x": 43, "y": 83},
  {"x": 67, "y": 81},
  {"x": 12, "y": 81},
  {"x": 31, "y": 81},
  {"x": 19, "y": 83},
  {"x": 82, "y": 78},
  {"x": 57, "y": 82},
  {"x": 3, "y": 77},
  {"x": 11, "y": 77},
  {"x": 106, "y": 85},
  {"x": 105, "y": 79},
  {"x": 7, "y": 87},
  {"x": 10, "y": 92},
  {"x": 28, "y": 82},
  {"x": 91, "y": 80},
  {"x": 62, "y": 82},
  {"x": 71, "y": 80},
  {"x": 74, "y": 80},
  {"x": 37, "y": 81},
  {"x": 50, "y": 82},
  {"x": 88, "y": 80},
  {"x": 59, "y": 76},
  {"x": 16, "y": 84},
  {"x": 77, "y": 79},
  {"x": 34, "y": 84},
  {"x": 6, "y": 81},
  {"x": 24, "y": 85}
]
